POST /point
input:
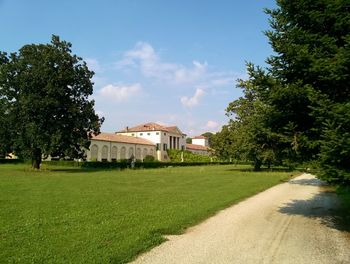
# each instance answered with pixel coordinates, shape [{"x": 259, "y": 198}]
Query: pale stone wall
[
  {"x": 107, "y": 150},
  {"x": 200, "y": 152}
]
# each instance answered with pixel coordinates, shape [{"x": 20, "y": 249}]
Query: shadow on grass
[
  {"x": 324, "y": 206},
  {"x": 261, "y": 170},
  {"x": 84, "y": 170}
]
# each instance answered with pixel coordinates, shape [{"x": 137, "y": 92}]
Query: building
[
  {"x": 199, "y": 146},
  {"x": 200, "y": 140},
  {"x": 164, "y": 137},
  {"x": 139, "y": 141},
  {"x": 198, "y": 149},
  {"x": 112, "y": 147}
]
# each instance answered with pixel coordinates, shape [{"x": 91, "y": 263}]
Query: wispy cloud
[
  {"x": 93, "y": 64},
  {"x": 212, "y": 125},
  {"x": 194, "y": 100},
  {"x": 120, "y": 92},
  {"x": 148, "y": 60}
]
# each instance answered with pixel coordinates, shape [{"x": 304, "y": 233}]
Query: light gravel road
[{"x": 290, "y": 223}]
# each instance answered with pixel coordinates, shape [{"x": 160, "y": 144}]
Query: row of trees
[
  {"x": 44, "y": 102},
  {"x": 297, "y": 109}
]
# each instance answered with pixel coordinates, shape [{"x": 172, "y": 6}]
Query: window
[
  {"x": 94, "y": 152},
  {"x": 114, "y": 153},
  {"x": 104, "y": 153},
  {"x": 141, "y": 134},
  {"x": 138, "y": 153},
  {"x": 133, "y": 134},
  {"x": 123, "y": 153},
  {"x": 165, "y": 147},
  {"x": 157, "y": 133},
  {"x": 148, "y": 134},
  {"x": 164, "y": 134},
  {"x": 131, "y": 152},
  {"x": 158, "y": 146}
]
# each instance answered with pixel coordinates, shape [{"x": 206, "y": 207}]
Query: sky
[{"x": 174, "y": 62}]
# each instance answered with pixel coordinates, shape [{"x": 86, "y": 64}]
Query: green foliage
[
  {"x": 335, "y": 146},
  {"x": 46, "y": 92},
  {"x": 176, "y": 155},
  {"x": 189, "y": 140},
  {"x": 73, "y": 215},
  {"x": 10, "y": 161},
  {"x": 296, "y": 110},
  {"x": 247, "y": 137},
  {"x": 149, "y": 158}
]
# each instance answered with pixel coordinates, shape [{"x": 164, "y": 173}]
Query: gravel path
[{"x": 289, "y": 223}]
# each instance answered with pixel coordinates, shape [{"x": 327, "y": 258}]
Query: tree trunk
[
  {"x": 257, "y": 164},
  {"x": 36, "y": 158},
  {"x": 269, "y": 165}
]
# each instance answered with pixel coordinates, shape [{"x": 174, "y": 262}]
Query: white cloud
[
  {"x": 194, "y": 100},
  {"x": 146, "y": 58},
  {"x": 120, "y": 92},
  {"x": 212, "y": 125}
]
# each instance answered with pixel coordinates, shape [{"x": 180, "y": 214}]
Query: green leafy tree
[
  {"x": 46, "y": 89},
  {"x": 252, "y": 139},
  {"x": 5, "y": 131},
  {"x": 223, "y": 144},
  {"x": 189, "y": 140}
]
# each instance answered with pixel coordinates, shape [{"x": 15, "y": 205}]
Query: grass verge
[
  {"x": 74, "y": 215},
  {"x": 344, "y": 194}
]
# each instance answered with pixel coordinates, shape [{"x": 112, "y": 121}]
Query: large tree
[
  {"x": 305, "y": 89},
  {"x": 45, "y": 90},
  {"x": 311, "y": 40}
]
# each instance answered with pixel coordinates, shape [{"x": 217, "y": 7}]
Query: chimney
[{"x": 127, "y": 129}]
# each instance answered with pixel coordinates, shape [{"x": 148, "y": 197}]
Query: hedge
[{"x": 11, "y": 161}]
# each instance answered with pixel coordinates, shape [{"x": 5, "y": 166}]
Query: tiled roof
[
  {"x": 200, "y": 137},
  {"x": 122, "y": 139},
  {"x": 152, "y": 127},
  {"x": 196, "y": 147}
]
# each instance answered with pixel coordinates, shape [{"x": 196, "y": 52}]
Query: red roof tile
[
  {"x": 122, "y": 139},
  {"x": 152, "y": 127},
  {"x": 200, "y": 137},
  {"x": 196, "y": 147}
]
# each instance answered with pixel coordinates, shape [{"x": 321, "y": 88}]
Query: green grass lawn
[{"x": 71, "y": 215}]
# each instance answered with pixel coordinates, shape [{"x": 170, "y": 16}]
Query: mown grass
[{"x": 71, "y": 215}]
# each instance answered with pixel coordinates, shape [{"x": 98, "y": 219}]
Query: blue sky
[{"x": 173, "y": 62}]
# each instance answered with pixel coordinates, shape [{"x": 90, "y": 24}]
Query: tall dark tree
[
  {"x": 305, "y": 90},
  {"x": 46, "y": 90},
  {"x": 311, "y": 40}
]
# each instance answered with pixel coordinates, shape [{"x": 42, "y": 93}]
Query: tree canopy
[
  {"x": 297, "y": 108},
  {"x": 44, "y": 91}
]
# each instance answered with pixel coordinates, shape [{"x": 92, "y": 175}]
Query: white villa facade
[
  {"x": 200, "y": 140},
  {"x": 164, "y": 137},
  {"x": 140, "y": 141}
]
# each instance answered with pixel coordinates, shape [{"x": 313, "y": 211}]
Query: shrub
[{"x": 149, "y": 158}]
